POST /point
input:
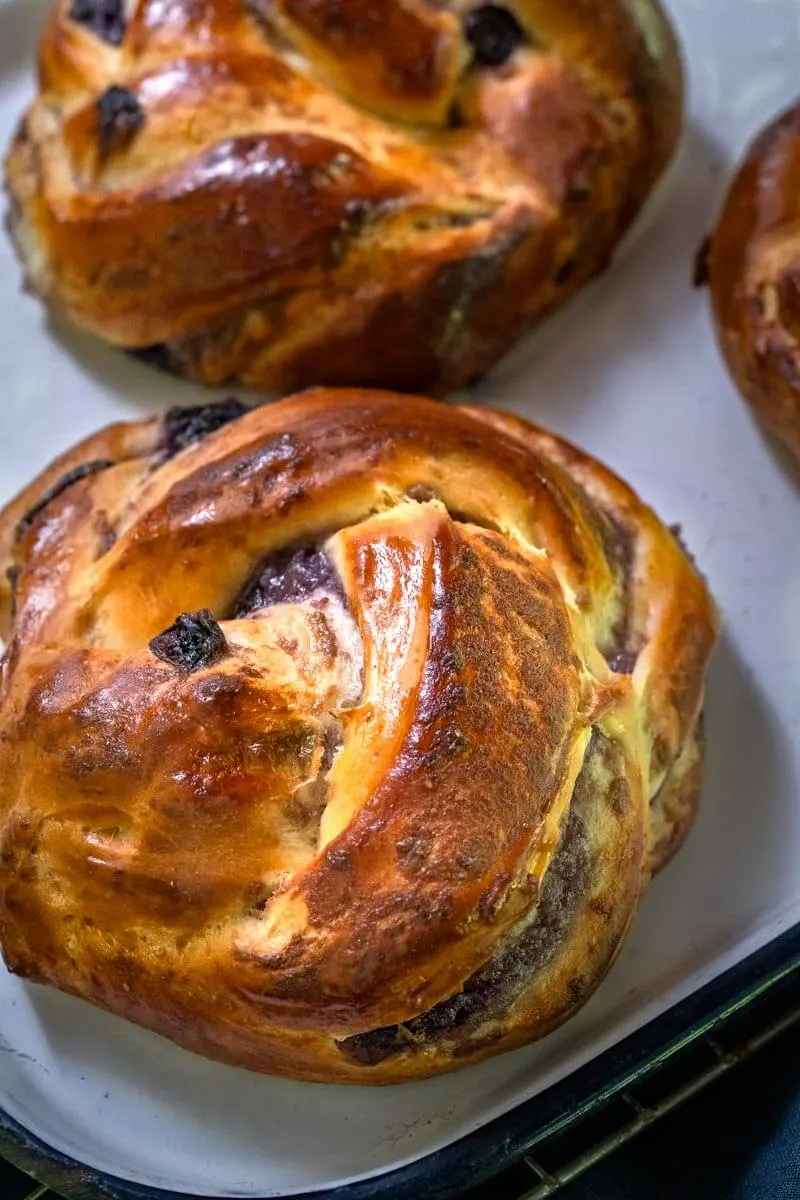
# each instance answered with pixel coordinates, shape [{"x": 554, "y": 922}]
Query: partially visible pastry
[
  {"x": 294, "y": 192},
  {"x": 754, "y": 273},
  {"x": 340, "y": 738}
]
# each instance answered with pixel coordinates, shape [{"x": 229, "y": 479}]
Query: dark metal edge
[{"x": 480, "y": 1155}]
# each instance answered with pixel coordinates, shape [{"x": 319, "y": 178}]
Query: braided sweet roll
[
  {"x": 293, "y": 192},
  {"x": 752, "y": 263},
  {"x": 339, "y": 738}
]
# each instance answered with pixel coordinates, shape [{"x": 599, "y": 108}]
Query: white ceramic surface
[{"x": 632, "y": 373}]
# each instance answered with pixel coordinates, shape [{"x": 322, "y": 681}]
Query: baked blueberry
[
  {"x": 494, "y": 34},
  {"x": 194, "y": 642}
]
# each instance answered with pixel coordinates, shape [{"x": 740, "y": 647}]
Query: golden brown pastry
[
  {"x": 341, "y": 741},
  {"x": 293, "y": 192},
  {"x": 754, "y": 273}
]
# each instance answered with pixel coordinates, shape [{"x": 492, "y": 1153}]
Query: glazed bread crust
[
  {"x": 297, "y": 192},
  {"x": 383, "y": 800},
  {"x": 754, "y": 274}
]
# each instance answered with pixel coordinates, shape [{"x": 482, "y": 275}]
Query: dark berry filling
[
  {"x": 105, "y": 18},
  {"x": 289, "y": 575},
  {"x": 120, "y": 117},
  {"x": 193, "y": 643},
  {"x": 66, "y": 481},
  {"x": 158, "y": 355},
  {"x": 623, "y": 662},
  {"x": 702, "y": 264},
  {"x": 492, "y": 989},
  {"x": 494, "y": 34},
  {"x": 185, "y": 426}
]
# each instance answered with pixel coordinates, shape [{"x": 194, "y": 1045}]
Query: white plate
[{"x": 631, "y": 373}]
